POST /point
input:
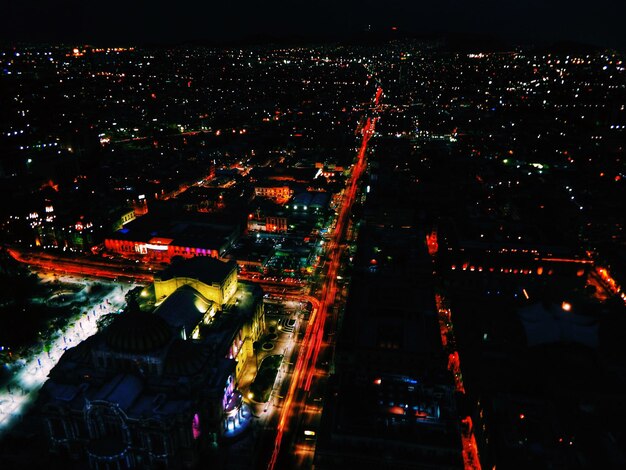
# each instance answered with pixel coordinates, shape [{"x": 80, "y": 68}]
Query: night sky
[{"x": 141, "y": 21}]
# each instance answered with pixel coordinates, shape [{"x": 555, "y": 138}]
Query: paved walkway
[{"x": 23, "y": 387}]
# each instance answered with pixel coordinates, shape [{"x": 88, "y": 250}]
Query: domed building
[
  {"x": 155, "y": 389},
  {"x": 138, "y": 332}
]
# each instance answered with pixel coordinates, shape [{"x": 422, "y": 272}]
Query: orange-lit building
[
  {"x": 149, "y": 238},
  {"x": 267, "y": 224},
  {"x": 158, "y": 249},
  {"x": 475, "y": 253},
  {"x": 280, "y": 194},
  {"x": 268, "y": 217}
]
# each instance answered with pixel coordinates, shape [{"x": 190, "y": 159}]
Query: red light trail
[
  {"x": 81, "y": 266},
  {"x": 313, "y": 337}
]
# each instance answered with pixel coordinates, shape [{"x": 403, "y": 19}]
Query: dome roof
[
  {"x": 138, "y": 332},
  {"x": 186, "y": 358}
]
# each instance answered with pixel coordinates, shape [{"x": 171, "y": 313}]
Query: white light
[{"x": 151, "y": 246}]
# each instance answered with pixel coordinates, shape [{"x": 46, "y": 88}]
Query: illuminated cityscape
[{"x": 380, "y": 247}]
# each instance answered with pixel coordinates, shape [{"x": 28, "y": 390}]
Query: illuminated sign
[
  {"x": 195, "y": 426},
  {"x": 151, "y": 246}
]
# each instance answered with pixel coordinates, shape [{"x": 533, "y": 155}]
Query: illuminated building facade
[
  {"x": 138, "y": 209},
  {"x": 268, "y": 217},
  {"x": 280, "y": 194},
  {"x": 140, "y": 206},
  {"x": 215, "y": 280},
  {"x": 185, "y": 240},
  {"x": 267, "y": 224},
  {"x": 157, "y": 249},
  {"x": 155, "y": 390},
  {"x": 276, "y": 224}
]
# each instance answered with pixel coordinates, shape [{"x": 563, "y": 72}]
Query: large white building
[{"x": 153, "y": 389}]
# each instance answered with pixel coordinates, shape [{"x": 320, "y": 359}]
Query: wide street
[{"x": 295, "y": 401}]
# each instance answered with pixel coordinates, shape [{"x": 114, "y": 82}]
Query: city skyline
[
  {"x": 266, "y": 237},
  {"x": 160, "y": 22}
]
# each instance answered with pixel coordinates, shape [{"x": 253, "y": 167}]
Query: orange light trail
[
  {"x": 312, "y": 341},
  {"x": 81, "y": 267},
  {"x": 470, "y": 449}
]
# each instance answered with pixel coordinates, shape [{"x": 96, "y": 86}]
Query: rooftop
[
  {"x": 204, "y": 269},
  {"x": 184, "y": 309},
  {"x": 138, "y": 332}
]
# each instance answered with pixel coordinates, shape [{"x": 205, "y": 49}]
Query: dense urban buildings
[
  {"x": 154, "y": 388},
  {"x": 397, "y": 252}
]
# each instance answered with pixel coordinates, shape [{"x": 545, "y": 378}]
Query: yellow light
[{"x": 566, "y": 306}]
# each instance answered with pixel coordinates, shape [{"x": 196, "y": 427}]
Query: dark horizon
[{"x": 160, "y": 23}]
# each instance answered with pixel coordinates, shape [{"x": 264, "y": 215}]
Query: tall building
[{"x": 157, "y": 389}]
